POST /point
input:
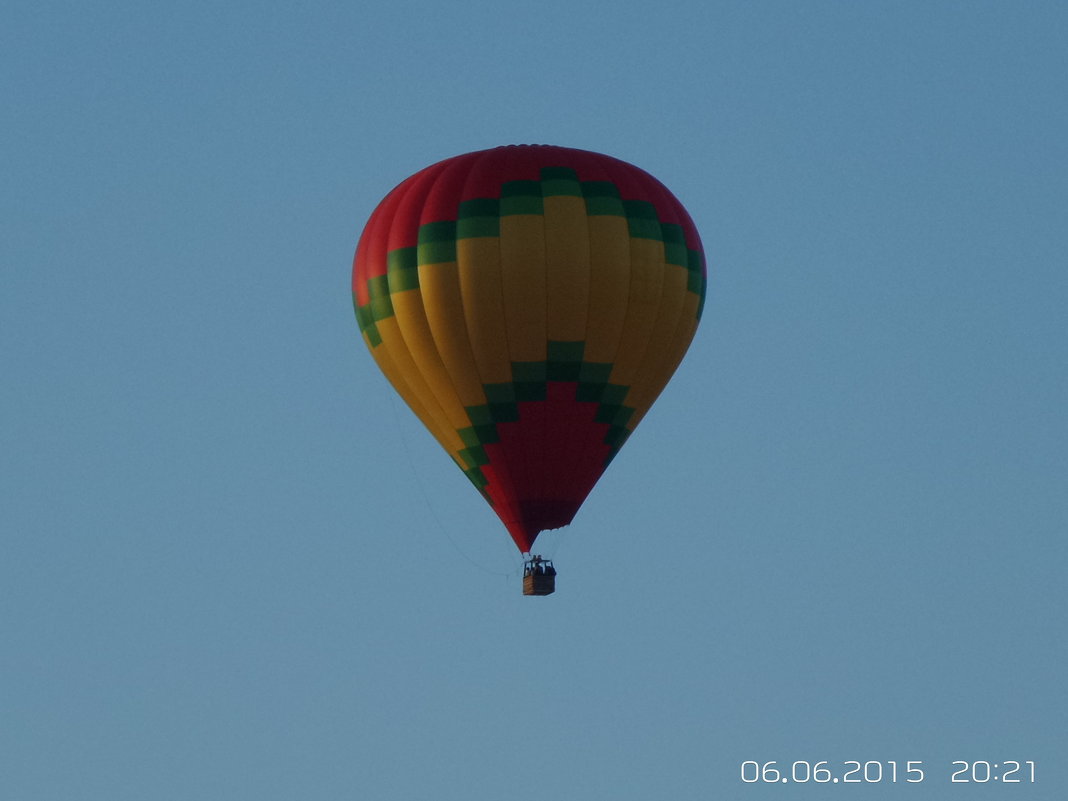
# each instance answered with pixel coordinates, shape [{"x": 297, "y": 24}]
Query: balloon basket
[{"x": 539, "y": 576}]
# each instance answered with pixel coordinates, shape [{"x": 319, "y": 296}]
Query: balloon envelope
[{"x": 529, "y": 303}]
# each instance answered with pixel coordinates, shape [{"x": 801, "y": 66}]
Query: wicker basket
[{"x": 539, "y": 584}]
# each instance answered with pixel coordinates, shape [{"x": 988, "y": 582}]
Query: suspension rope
[{"x": 426, "y": 498}]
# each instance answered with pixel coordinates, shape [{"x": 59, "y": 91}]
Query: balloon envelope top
[{"x": 529, "y": 303}]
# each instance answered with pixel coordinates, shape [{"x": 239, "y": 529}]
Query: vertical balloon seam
[
  {"x": 438, "y": 276},
  {"x": 604, "y": 197},
  {"x": 522, "y": 242},
  {"x": 413, "y": 319},
  {"x": 588, "y": 266},
  {"x": 366, "y": 319},
  {"x": 517, "y": 467},
  {"x": 561, "y": 180},
  {"x": 409, "y": 312},
  {"x": 536, "y": 435},
  {"x": 689, "y": 312},
  {"x": 569, "y": 327},
  {"x": 439, "y": 273},
  {"x": 402, "y": 371},
  {"x": 502, "y": 397},
  {"x": 636, "y": 328},
  {"x": 650, "y": 377},
  {"x": 565, "y": 318},
  {"x": 520, "y": 211},
  {"x": 474, "y": 455},
  {"x": 682, "y": 249},
  {"x": 484, "y": 428},
  {"x": 634, "y": 206},
  {"x": 693, "y": 300}
]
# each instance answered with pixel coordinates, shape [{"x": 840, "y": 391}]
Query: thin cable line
[{"x": 426, "y": 498}]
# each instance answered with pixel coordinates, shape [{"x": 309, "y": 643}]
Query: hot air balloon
[{"x": 529, "y": 303}]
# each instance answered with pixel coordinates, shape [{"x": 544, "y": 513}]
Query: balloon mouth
[
  {"x": 538, "y": 515},
  {"x": 539, "y": 467}
]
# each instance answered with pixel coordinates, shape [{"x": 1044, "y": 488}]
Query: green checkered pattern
[
  {"x": 529, "y": 383},
  {"x": 480, "y": 217}
]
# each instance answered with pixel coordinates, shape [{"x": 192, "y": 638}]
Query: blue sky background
[{"x": 233, "y": 566}]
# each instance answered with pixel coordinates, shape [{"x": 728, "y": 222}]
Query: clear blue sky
[{"x": 233, "y": 567}]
